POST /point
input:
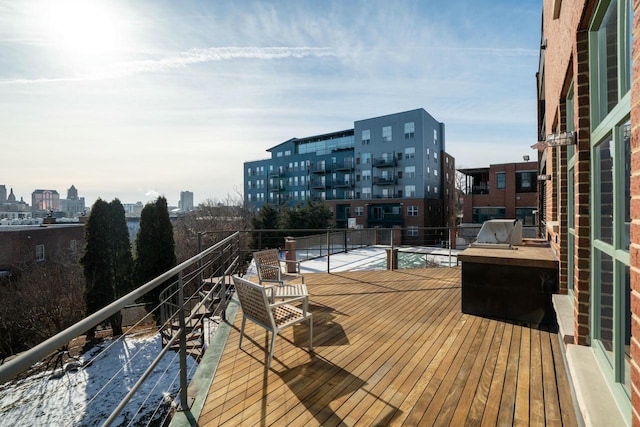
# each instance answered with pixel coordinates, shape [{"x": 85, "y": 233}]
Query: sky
[{"x": 132, "y": 99}]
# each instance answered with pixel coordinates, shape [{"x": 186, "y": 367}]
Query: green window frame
[{"x": 610, "y": 105}]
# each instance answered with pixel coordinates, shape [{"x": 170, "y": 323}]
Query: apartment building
[
  {"x": 508, "y": 190},
  {"x": 388, "y": 171},
  {"x": 587, "y": 136}
]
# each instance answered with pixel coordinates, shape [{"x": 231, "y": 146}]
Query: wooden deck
[{"x": 391, "y": 348}]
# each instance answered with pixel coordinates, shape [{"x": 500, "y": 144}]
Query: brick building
[
  {"x": 23, "y": 245},
  {"x": 507, "y": 190},
  {"x": 589, "y": 147}
]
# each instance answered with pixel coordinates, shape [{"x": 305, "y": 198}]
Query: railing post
[
  {"x": 183, "y": 346},
  {"x": 223, "y": 296},
  {"x": 451, "y": 233},
  {"x": 328, "y": 250}
]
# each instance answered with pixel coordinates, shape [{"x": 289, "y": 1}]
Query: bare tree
[{"x": 38, "y": 303}]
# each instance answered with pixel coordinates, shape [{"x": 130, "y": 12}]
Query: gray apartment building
[{"x": 388, "y": 171}]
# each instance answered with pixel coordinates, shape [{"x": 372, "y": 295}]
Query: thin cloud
[{"x": 184, "y": 59}]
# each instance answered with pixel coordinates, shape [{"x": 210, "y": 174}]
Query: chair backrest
[
  {"x": 267, "y": 264},
  {"x": 254, "y": 303}
]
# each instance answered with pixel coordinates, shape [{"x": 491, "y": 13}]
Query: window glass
[
  {"x": 604, "y": 186},
  {"x": 626, "y": 143},
  {"x": 526, "y": 182},
  {"x": 386, "y": 134},
  {"x": 501, "y": 179},
  {"x": 366, "y": 136},
  {"x": 409, "y": 130}
]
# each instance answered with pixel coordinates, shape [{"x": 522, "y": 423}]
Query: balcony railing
[
  {"x": 385, "y": 180},
  {"x": 385, "y": 162}
]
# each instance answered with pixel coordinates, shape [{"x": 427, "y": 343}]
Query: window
[
  {"x": 526, "y": 215},
  {"x": 359, "y": 211},
  {"x": 412, "y": 231},
  {"x": 287, "y": 152},
  {"x": 409, "y": 153},
  {"x": 526, "y": 182},
  {"x": 412, "y": 211},
  {"x": 279, "y": 154},
  {"x": 386, "y": 134},
  {"x": 410, "y": 191},
  {"x": 435, "y": 172},
  {"x": 409, "y": 172},
  {"x": 39, "y": 252},
  {"x": 366, "y": 136},
  {"x": 610, "y": 102},
  {"x": 366, "y": 158},
  {"x": 501, "y": 180},
  {"x": 435, "y": 137},
  {"x": 366, "y": 192},
  {"x": 435, "y": 189},
  {"x": 428, "y": 153},
  {"x": 435, "y": 155},
  {"x": 366, "y": 175},
  {"x": 480, "y": 215},
  {"x": 409, "y": 130}
]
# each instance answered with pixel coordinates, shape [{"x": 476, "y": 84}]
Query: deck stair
[{"x": 210, "y": 296}]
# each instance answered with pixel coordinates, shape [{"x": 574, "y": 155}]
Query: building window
[
  {"x": 480, "y": 215},
  {"x": 366, "y": 175},
  {"x": 526, "y": 182},
  {"x": 610, "y": 102},
  {"x": 501, "y": 180},
  {"x": 366, "y": 136},
  {"x": 412, "y": 231},
  {"x": 359, "y": 210},
  {"x": 39, "y": 252},
  {"x": 279, "y": 154},
  {"x": 366, "y": 158},
  {"x": 409, "y": 153},
  {"x": 409, "y": 130},
  {"x": 386, "y": 134},
  {"x": 409, "y": 172},
  {"x": 412, "y": 211},
  {"x": 410, "y": 191},
  {"x": 366, "y": 192}
]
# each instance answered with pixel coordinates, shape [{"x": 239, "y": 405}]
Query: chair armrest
[
  {"x": 269, "y": 267},
  {"x": 288, "y": 301}
]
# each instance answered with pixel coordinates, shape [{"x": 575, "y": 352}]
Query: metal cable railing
[{"x": 215, "y": 263}]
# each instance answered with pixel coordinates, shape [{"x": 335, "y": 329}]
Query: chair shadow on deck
[{"x": 323, "y": 387}]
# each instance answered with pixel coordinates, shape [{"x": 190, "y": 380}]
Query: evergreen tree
[
  {"x": 155, "y": 248},
  {"x": 266, "y": 219},
  {"x": 107, "y": 260},
  {"x": 122, "y": 261}
]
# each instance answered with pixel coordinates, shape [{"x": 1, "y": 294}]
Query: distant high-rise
[
  {"x": 3, "y": 193},
  {"x": 72, "y": 193},
  {"x": 45, "y": 200},
  {"x": 186, "y": 201}
]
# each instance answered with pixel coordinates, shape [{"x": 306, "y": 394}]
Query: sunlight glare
[{"x": 81, "y": 26}]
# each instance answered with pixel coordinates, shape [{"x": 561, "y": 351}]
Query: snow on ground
[{"x": 86, "y": 396}]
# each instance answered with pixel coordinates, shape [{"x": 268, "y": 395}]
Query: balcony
[
  {"x": 385, "y": 162},
  {"x": 385, "y": 180},
  {"x": 347, "y": 165},
  {"x": 318, "y": 184},
  {"x": 387, "y": 196},
  {"x": 377, "y": 363},
  {"x": 318, "y": 169},
  {"x": 341, "y": 183}
]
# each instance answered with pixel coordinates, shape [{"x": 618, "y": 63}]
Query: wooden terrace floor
[{"x": 391, "y": 348}]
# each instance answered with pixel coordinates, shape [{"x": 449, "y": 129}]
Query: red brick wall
[{"x": 635, "y": 219}]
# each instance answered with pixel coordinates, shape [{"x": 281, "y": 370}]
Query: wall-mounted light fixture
[
  {"x": 544, "y": 177},
  {"x": 561, "y": 139},
  {"x": 525, "y": 158}
]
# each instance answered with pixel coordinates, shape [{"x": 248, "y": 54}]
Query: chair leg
[
  {"x": 242, "y": 331},
  {"x": 273, "y": 344},
  {"x": 310, "y": 333}
]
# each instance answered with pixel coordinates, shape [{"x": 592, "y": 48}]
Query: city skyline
[{"x": 136, "y": 100}]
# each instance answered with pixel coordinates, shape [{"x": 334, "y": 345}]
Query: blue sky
[{"x": 132, "y": 98}]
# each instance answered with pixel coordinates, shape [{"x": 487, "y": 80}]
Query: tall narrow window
[
  {"x": 386, "y": 134},
  {"x": 409, "y": 130}
]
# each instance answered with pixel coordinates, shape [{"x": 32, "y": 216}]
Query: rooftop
[{"x": 391, "y": 348}]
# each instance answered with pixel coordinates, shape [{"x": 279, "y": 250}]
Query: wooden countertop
[{"x": 524, "y": 256}]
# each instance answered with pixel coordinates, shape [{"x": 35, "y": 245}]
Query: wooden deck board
[{"x": 391, "y": 348}]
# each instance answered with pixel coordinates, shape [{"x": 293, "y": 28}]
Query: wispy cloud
[{"x": 184, "y": 59}]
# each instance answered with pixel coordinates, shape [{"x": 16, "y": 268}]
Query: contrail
[{"x": 183, "y": 59}]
